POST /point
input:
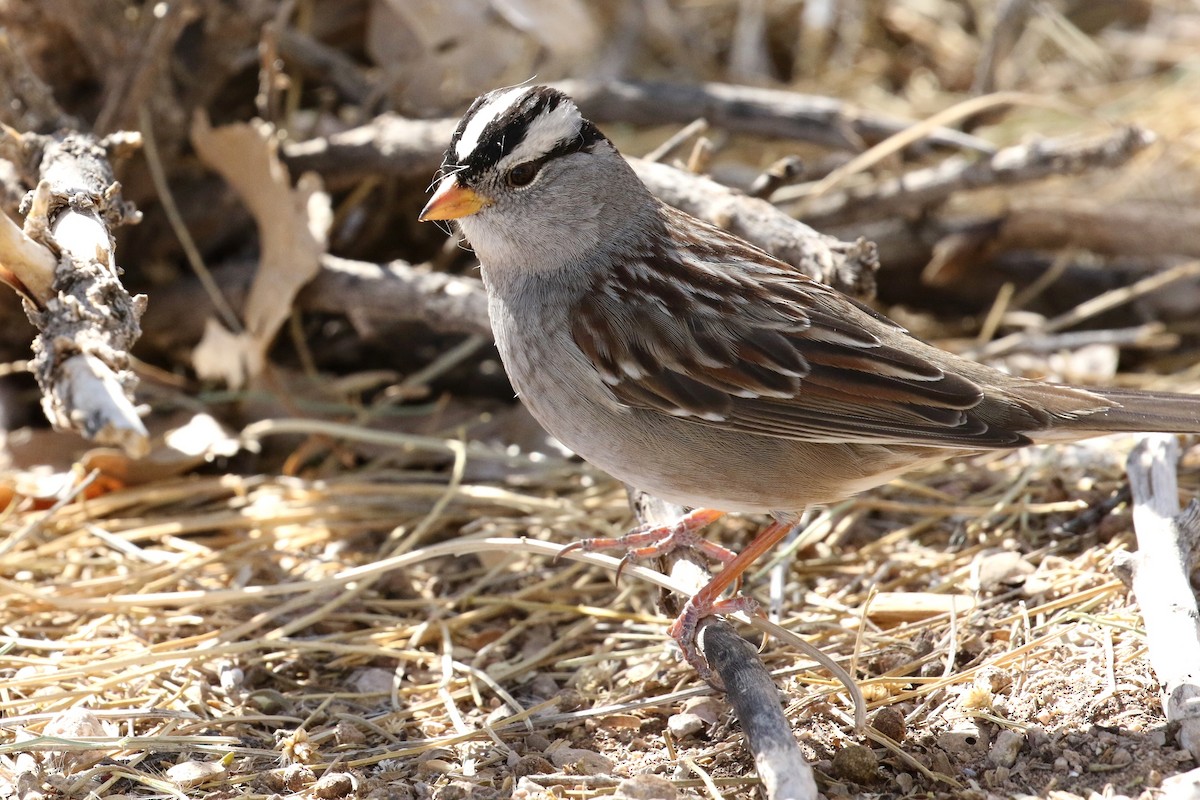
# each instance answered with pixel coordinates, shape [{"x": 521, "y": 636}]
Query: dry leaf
[
  {"x": 75, "y": 723},
  {"x": 293, "y": 226},
  {"x": 194, "y": 773}
]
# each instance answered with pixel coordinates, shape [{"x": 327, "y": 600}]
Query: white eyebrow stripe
[
  {"x": 485, "y": 114},
  {"x": 546, "y": 131}
]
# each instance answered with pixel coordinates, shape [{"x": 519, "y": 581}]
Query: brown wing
[{"x": 767, "y": 351}]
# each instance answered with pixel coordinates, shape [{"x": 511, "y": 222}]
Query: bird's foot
[
  {"x": 683, "y": 630},
  {"x": 650, "y": 540}
]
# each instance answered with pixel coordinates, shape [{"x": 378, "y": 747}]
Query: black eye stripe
[{"x": 506, "y": 132}]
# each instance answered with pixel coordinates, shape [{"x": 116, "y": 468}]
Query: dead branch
[
  {"x": 398, "y": 291},
  {"x": 325, "y": 63},
  {"x": 1168, "y": 539},
  {"x": 1010, "y": 22},
  {"x": 849, "y": 267},
  {"x": 747, "y": 683},
  {"x": 756, "y": 703},
  {"x": 388, "y": 145},
  {"x": 1142, "y": 229},
  {"x": 1091, "y": 308},
  {"x": 742, "y": 109},
  {"x": 372, "y": 296},
  {"x": 86, "y": 319},
  {"x": 28, "y": 102},
  {"x": 910, "y": 193}
]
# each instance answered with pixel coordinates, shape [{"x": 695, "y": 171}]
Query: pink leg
[
  {"x": 707, "y": 601},
  {"x": 648, "y": 541}
]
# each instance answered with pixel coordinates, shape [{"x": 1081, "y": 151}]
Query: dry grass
[
  {"x": 406, "y": 632},
  {"x": 357, "y": 613}
]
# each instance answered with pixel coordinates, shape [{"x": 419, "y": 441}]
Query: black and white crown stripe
[{"x": 512, "y": 126}]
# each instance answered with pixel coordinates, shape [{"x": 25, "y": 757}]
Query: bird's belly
[{"x": 698, "y": 465}]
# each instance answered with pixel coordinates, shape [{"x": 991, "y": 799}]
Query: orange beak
[{"x": 453, "y": 201}]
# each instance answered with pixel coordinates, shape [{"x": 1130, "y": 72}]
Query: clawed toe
[
  {"x": 649, "y": 541},
  {"x": 683, "y": 629}
]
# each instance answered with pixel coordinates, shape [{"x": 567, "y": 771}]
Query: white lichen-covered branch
[
  {"x": 1167, "y": 540},
  {"x": 62, "y": 262}
]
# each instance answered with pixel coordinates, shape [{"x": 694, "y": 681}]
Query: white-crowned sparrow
[{"x": 688, "y": 363}]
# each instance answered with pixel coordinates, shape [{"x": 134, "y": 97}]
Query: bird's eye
[{"x": 522, "y": 174}]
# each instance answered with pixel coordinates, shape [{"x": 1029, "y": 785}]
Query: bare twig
[
  {"x": 1168, "y": 539},
  {"x": 1134, "y": 228},
  {"x": 919, "y": 189},
  {"x": 1010, "y": 22},
  {"x": 387, "y": 145},
  {"x": 694, "y": 128},
  {"x": 325, "y": 62},
  {"x": 849, "y": 267},
  {"x": 1097, "y": 305},
  {"x": 743, "y": 109},
  {"x": 748, "y": 686},
  {"x": 396, "y": 290},
  {"x": 780, "y": 173},
  {"x": 89, "y": 324},
  {"x": 755, "y": 701}
]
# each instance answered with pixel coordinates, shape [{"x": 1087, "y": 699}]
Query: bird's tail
[{"x": 1126, "y": 410}]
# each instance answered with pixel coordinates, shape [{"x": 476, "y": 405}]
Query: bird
[{"x": 694, "y": 366}]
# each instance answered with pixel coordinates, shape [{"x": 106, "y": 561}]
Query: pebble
[
  {"x": 856, "y": 763},
  {"x": 890, "y": 723},
  {"x": 193, "y": 773},
  {"x": 684, "y": 724},
  {"x": 646, "y": 787},
  {"x": 1005, "y": 748},
  {"x": 532, "y": 764},
  {"x": 580, "y": 761},
  {"x": 332, "y": 785}
]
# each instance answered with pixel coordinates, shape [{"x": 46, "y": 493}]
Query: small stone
[
  {"x": 344, "y": 733},
  {"x": 464, "y": 790},
  {"x": 372, "y": 680},
  {"x": 292, "y": 778},
  {"x": 993, "y": 679},
  {"x": 194, "y": 773},
  {"x": 1006, "y": 747},
  {"x": 1036, "y": 736},
  {"x": 890, "y": 723},
  {"x": 856, "y": 763},
  {"x": 333, "y": 785},
  {"x": 998, "y": 776},
  {"x": 543, "y": 686},
  {"x": 452, "y": 791},
  {"x": 230, "y": 676},
  {"x": 1003, "y": 569},
  {"x": 940, "y": 762},
  {"x": 961, "y": 742},
  {"x": 646, "y": 787},
  {"x": 569, "y": 700},
  {"x": 1122, "y": 757},
  {"x": 532, "y": 764},
  {"x": 579, "y": 761},
  {"x": 708, "y": 709},
  {"x": 684, "y": 724},
  {"x": 527, "y": 789}
]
